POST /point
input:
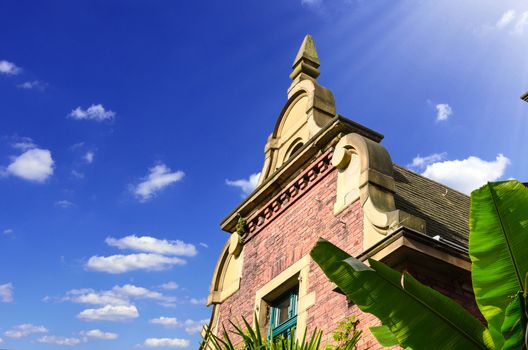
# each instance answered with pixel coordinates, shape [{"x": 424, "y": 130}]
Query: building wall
[
  {"x": 456, "y": 285},
  {"x": 290, "y": 235}
]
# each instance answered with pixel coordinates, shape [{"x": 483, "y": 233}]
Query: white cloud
[
  {"x": 246, "y": 185},
  {"x": 89, "y": 157},
  {"x": 118, "y": 295},
  {"x": 90, "y": 296},
  {"x": 65, "y": 204},
  {"x": 94, "y": 112},
  {"x": 443, "y": 111},
  {"x": 156, "y": 256},
  {"x": 166, "y": 342},
  {"x": 79, "y": 291},
  {"x": 204, "y": 245},
  {"x": 131, "y": 262},
  {"x": 24, "y": 146},
  {"x": 506, "y": 18},
  {"x": 521, "y": 24},
  {"x": 23, "y": 330},
  {"x": 190, "y": 326},
  {"x": 6, "y": 291},
  {"x": 23, "y": 143},
  {"x": 139, "y": 292},
  {"x": 170, "y": 285},
  {"x": 110, "y": 313},
  {"x": 152, "y": 245},
  {"x": 8, "y": 231},
  {"x": 77, "y": 174},
  {"x": 99, "y": 334},
  {"x": 467, "y": 174},
  {"x": 77, "y": 145},
  {"x": 196, "y": 301},
  {"x": 1, "y": 340},
  {"x": 9, "y": 68},
  {"x": 33, "y": 85},
  {"x": 34, "y": 165},
  {"x": 165, "y": 321},
  {"x": 159, "y": 177},
  {"x": 52, "y": 339},
  {"x": 421, "y": 162}
]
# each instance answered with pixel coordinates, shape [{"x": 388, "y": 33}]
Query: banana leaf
[
  {"x": 513, "y": 328},
  {"x": 384, "y": 336},
  {"x": 498, "y": 247},
  {"x": 418, "y": 316}
]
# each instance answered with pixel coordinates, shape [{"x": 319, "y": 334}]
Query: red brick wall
[
  {"x": 289, "y": 236},
  {"x": 457, "y": 286}
]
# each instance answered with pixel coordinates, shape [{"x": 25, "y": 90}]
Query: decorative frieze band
[{"x": 287, "y": 196}]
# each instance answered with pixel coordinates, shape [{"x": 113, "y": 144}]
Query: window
[
  {"x": 296, "y": 146},
  {"x": 283, "y": 314},
  {"x": 288, "y": 289}
]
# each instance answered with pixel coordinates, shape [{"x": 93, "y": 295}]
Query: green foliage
[
  {"x": 252, "y": 339},
  {"x": 498, "y": 247},
  {"x": 384, "y": 336},
  {"x": 346, "y": 332},
  {"x": 512, "y": 328},
  {"x": 240, "y": 227},
  {"x": 418, "y": 316},
  {"x": 415, "y": 316}
]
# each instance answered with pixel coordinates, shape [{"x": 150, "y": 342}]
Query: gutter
[{"x": 437, "y": 242}]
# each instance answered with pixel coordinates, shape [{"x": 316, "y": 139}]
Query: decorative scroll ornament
[{"x": 365, "y": 174}]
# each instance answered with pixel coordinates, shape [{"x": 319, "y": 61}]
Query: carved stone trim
[
  {"x": 365, "y": 174},
  {"x": 285, "y": 198}
]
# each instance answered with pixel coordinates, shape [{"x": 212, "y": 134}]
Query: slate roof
[{"x": 446, "y": 211}]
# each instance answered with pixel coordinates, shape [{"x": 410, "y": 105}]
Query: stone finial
[{"x": 306, "y": 62}]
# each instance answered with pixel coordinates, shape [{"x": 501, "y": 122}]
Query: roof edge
[
  {"x": 430, "y": 180},
  {"x": 317, "y": 145},
  {"x": 442, "y": 244}
]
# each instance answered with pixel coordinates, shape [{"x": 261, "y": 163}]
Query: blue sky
[{"x": 129, "y": 129}]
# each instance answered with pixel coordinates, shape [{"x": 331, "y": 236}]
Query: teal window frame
[{"x": 285, "y": 328}]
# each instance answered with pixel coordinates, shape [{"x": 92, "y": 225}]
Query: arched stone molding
[
  {"x": 294, "y": 147},
  {"x": 309, "y": 108},
  {"x": 365, "y": 174},
  {"x": 228, "y": 271}
]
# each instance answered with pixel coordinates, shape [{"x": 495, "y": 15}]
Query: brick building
[{"x": 327, "y": 176}]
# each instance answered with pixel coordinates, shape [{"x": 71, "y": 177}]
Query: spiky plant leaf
[{"x": 419, "y": 317}]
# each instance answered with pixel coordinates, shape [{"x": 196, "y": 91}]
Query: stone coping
[{"x": 325, "y": 139}]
